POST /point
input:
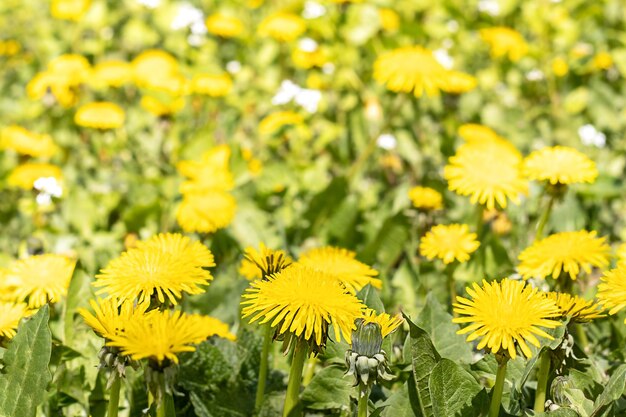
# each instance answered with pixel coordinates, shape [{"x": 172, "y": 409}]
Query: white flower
[
  {"x": 328, "y": 68},
  {"x": 48, "y": 187},
  {"x": 307, "y": 45},
  {"x": 286, "y": 92},
  {"x": 306, "y": 98},
  {"x": 590, "y": 136},
  {"x": 151, "y": 4},
  {"x": 313, "y": 10},
  {"x": 452, "y": 25},
  {"x": 195, "y": 40},
  {"x": 491, "y": 7},
  {"x": 535, "y": 75},
  {"x": 187, "y": 16},
  {"x": 387, "y": 141},
  {"x": 442, "y": 56},
  {"x": 233, "y": 67}
]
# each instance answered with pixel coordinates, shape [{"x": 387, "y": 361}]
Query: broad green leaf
[
  {"x": 389, "y": 242},
  {"x": 26, "y": 374},
  {"x": 561, "y": 412},
  {"x": 452, "y": 389},
  {"x": 328, "y": 390},
  {"x": 438, "y": 323},
  {"x": 398, "y": 405},
  {"x": 424, "y": 357},
  {"x": 612, "y": 391},
  {"x": 369, "y": 295}
]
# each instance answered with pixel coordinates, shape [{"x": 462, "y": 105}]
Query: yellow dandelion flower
[
  {"x": 224, "y": 25},
  {"x": 304, "y": 302},
  {"x": 112, "y": 73},
  {"x": 505, "y": 41},
  {"x": 10, "y": 316},
  {"x": 621, "y": 252},
  {"x": 476, "y": 133},
  {"x": 565, "y": 252},
  {"x": 215, "y": 327},
  {"x": 426, "y": 198},
  {"x": 45, "y": 83},
  {"x": 9, "y": 47},
  {"x": 74, "y": 69},
  {"x": 161, "y": 335},
  {"x": 282, "y": 26},
  {"x": 612, "y": 290},
  {"x": 560, "y": 67},
  {"x": 602, "y": 61},
  {"x": 560, "y": 165},
  {"x": 449, "y": 243},
  {"x": 7, "y": 289},
  {"x": 41, "y": 279},
  {"x": 505, "y": 314},
  {"x": 112, "y": 315},
  {"x": 161, "y": 108},
  {"x": 489, "y": 172},
  {"x": 206, "y": 212},
  {"x": 277, "y": 120},
  {"x": 25, "y": 175},
  {"x": 249, "y": 270},
  {"x": 389, "y": 20},
  {"x": 26, "y": 142},
  {"x": 100, "y": 115},
  {"x": 165, "y": 265},
  {"x": 69, "y": 9},
  {"x": 267, "y": 261},
  {"x": 388, "y": 324},
  {"x": 308, "y": 59},
  {"x": 152, "y": 65},
  {"x": 577, "y": 309},
  {"x": 210, "y": 173},
  {"x": 211, "y": 85},
  {"x": 459, "y": 82},
  {"x": 411, "y": 69},
  {"x": 173, "y": 85},
  {"x": 341, "y": 264}
]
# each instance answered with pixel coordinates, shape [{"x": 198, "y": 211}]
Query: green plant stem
[
  {"x": 542, "y": 381},
  {"x": 263, "y": 367},
  {"x": 496, "y": 393},
  {"x": 309, "y": 371},
  {"x": 583, "y": 340},
  {"x": 166, "y": 407},
  {"x": 364, "y": 395},
  {"x": 295, "y": 377},
  {"x": 114, "y": 398},
  {"x": 451, "y": 285},
  {"x": 544, "y": 219}
]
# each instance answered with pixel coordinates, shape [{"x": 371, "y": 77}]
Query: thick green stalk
[
  {"x": 309, "y": 370},
  {"x": 543, "y": 374},
  {"x": 364, "y": 395},
  {"x": 583, "y": 340},
  {"x": 451, "y": 285},
  {"x": 114, "y": 397},
  {"x": 263, "y": 367},
  {"x": 544, "y": 219},
  {"x": 295, "y": 377},
  {"x": 496, "y": 392}
]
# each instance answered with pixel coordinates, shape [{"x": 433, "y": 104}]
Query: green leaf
[
  {"x": 371, "y": 298},
  {"x": 438, "y": 323},
  {"x": 424, "y": 357},
  {"x": 398, "y": 405},
  {"x": 561, "y": 412},
  {"x": 23, "y": 385},
  {"x": 328, "y": 390},
  {"x": 452, "y": 389},
  {"x": 612, "y": 391},
  {"x": 389, "y": 242}
]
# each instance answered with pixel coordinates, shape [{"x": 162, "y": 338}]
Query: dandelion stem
[
  {"x": 166, "y": 407},
  {"x": 364, "y": 395},
  {"x": 544, "y": 219},
  {"x": 263, "y": 367},
  {"x": 451, "y": 286},
  {"x": 496, "y": 393},
  {"x": 295, "y": 377},
  {"x": 309, "y": 371},
  {"x": 114, "y": 397},
  {"x": 583, "y": 340},
  {"x": 542, "y": 381}
]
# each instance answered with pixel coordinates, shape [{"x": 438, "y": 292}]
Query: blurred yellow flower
[
  {"x": 26, "y": 142},
  {"x": 41, "y": 279},
  {"x": 44, "y": 83},
  {"x": 162, "y": 108},
  {"x": 112, "y": 315},
  {"x": 506, "y": 314},
  {"x": 621, "y": 252},
  {"x": 9, "y": 47},
  {"x": 174, "y": 85},
  {"x": 206, "y": 212},
  {"x": 282, "y": 26},
  {"x": 564, "y": 253},
  {"x": 100, "y": 115},
  {"x": 308, "y": 59},
  {"x": 164, "y": 266},
  {"x": 459, "y": 82},
  {"x": 25, "y": 175},
  {"x": 389, "y": 19},
  {"x": 426, "y": 198},
  {"x": 73, "y": 68},
  {"x": 152, "y": 65},
  {"x": 273, "y": 122},
  {"x": 489, "y": 172},
  {"x": 388, "y": 324},
  {"x": 343, "y": 265},
  {"x": 10, "y": 316},
  {"x": 211, "y": 85},
  {"x": 476, "y": 133},
  {"x": 505, "y": 41},
  {"x": 453, "y": 242},
  {"x": 111, "y": 74},
  {"x": 210, "y": 173},
  {"x": 249, "y": 270},
  {"x": 560, "y": 67},
  {"x": 602, "y": 61},
  {"x": 224, "y": 25},
  {"x": 560, "y": 165},
  {"x": 612, "y": 289},
  {"x": 577, "y": 309},
  {"x": 69, "y": 9}
]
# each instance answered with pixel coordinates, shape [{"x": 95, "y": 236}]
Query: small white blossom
[
  {"x": 535, "y": 75},
  {"x": 313, "y": 10},
  {"x": 590, "y": 136},
  {"x": 442, "y": 56},
  {"x": 48, "y": 187},
  {"x": 187, "y": 16},
  {"x": 452, "y": 25},
  {"x": 307, "y": 45},
  {"x": 306, "y": 98},
  {"x": 233, "y": 67},
  {"x": 387, "y": 141},
  {"x": 491, "y": 7},
  {"x": 151, "y": 4}
]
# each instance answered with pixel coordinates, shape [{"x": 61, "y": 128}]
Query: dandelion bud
[{"x": 366, "y": 361}]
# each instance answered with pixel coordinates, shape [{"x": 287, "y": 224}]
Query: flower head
[
  {"x": 426, "y": 198},
  {"x": 304, "y": 302},
  {"x": 25, "y": 175},
  {"x": 210, "y": 173},
  {"x": 267, "y": 261},
  {"x": 460, "y": 82},
  {"x": 560, "y": 165},
  {"x": 476, "y": 133},
  {"x": 72, "y": 69},
  {"x": 505, "y": 41},
  {"x": 224, "y": 25},
  {"x": 576, "y": 308},
  {"x": 212, "y": 85},
  {"x": 161, "y": 335},
  {"x": 487, "y": 171},
  {"x": 69, "y": 9},
  {"x": 612, "y": 289},
  {"x": 284, "y": 27},
  {"x": 153, "y": 64},
  {"x": 41, "y": 279},
  {"x": 206, "y": 212},
  {"x": 162, "y": 106},
  {"x": 388, "y": 324},
  {"x": 565, "y": 252},
  {"x": 505, "y": 314},
  {"x": 100, "y": 115},
  {"x": 10, "y": 316},
  {"x": 277, "y": 120},
  {"x": 26, "y": 142},
  {"x": 449, "y": 243},
  {"x": 112, "y": 73},
  {"x": 165, "y": 265},
  {"x": 111, "y": 316},
  {"x": 341, "y": 264}
]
